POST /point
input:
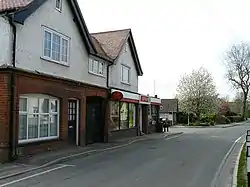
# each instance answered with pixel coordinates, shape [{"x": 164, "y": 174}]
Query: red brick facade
[{"x": 27, "y": 83}]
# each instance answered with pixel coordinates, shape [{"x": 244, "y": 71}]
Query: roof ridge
[{"x": 110, "y": 31}]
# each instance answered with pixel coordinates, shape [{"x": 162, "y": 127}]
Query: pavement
[
  {"x": 200, "y": 157},
  {"x": 213, "y": 126}
]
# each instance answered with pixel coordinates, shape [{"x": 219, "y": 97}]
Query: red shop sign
[
  {"x": 117, "y": 96},
  {"x": 144, "y": 98}
]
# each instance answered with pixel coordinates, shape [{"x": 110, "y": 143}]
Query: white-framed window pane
[
  {"x": 65, "y": 44},
  {"x": 23, "y": 104},
  {"x": 95, "y": 66},
  {"x": 91, "y": 65},
  {"x": 56, "y": 42},
  {"x": 33, "y": 106},
  {"x": 53, "y": 125},
  {"x": 125, "y": 74},
  {"x": 44, "y": 125},
  {"x": 22, "y": 126},
  {"x": 100, "y": 68},
  {"x": 33, "y": 126},
  {"x": 44, "y": 105},
  {"x": 53, "y": 105},
  {"x": 59, "y": 4},
  {"x": 47, "y": 44}
]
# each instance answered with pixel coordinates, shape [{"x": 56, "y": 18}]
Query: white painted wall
[
  {"x": 30, "y": 44},
  {"x": 115, "y": 72},
  {"x": 5, "y": 41}
]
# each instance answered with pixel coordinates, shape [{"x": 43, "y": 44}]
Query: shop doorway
[
  {"x": 73, "y": 121},
  {"x": 95, "y": 120},
  {"x": 145, "y": 119}
]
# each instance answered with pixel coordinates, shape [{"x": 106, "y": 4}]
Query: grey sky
[{"x": 174, "y": 36}]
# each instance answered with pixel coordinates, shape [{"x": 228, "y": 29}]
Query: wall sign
[
  {"x": 144, "y": 99},
  {"x": 117, "y": 96}
]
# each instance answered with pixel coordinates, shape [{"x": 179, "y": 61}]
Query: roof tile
[
  {"x": 112, "y": 41},
  {"x": 12, "y": 5}
]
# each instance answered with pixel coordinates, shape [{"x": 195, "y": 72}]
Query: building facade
[
  {"x": 52, "y": 94},
  {"x": 125, "y": 102},
  {"x": 169, "y": 110}
]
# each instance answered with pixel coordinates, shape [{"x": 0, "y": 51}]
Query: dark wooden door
[
  {"x": 72, "y": 115},
  {"x": 94, "y": 123}
]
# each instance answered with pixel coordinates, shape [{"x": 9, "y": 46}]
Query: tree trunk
[{"x": 244, "y": 106}]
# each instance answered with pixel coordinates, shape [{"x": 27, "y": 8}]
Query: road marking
[
  {"x": 31, "y": 176},
  {"x": 217, "y": 174},
  {"x": 172, "y": 137}
]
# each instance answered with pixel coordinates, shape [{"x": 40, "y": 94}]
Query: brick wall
[
  {"x": 27, "y": 83},
  {"x": 4, "y": 115}
]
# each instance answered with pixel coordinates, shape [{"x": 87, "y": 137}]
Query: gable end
[
  {"x": 134, "y": 54},
  {"x": 23, "y": 14}
]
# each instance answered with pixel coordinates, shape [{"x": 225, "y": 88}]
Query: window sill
[
  {"x": 59, "y": 10},
  {"x": 96, "y": 74},
  {"x": 117, "y": 130},
  {"x": 126, "y": 83},
  {"x": 20, "y": 142},
  {"x": 54, "y": 61}
]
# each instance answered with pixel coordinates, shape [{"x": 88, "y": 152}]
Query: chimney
[{"x": 156, "y": 96}]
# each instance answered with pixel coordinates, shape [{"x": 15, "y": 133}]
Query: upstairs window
[
  {"x": 126, "y": 47},
  {"x": 59, "y": 5},
  {"x": 96, "y": 67},
  {"x": 125, "y": 74},
  {"x": 56, "y": 47}
]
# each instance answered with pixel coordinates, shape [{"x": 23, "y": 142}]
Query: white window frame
[
  {"x": 91, "y": 67},
  {"x": 129, "y": 74},
  {"x": 46, "y": 29},
  {"x": 126, "y": 47},
  {"x": 59, "y": 8},
  {"x": 27, "y": 140}
]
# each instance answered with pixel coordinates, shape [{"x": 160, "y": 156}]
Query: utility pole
[{"x": 154, "y": 87}]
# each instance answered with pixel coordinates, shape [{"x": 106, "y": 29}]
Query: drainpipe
[
  {"x": 12, "y": 131},
  {"x": 107, "y": 103}
]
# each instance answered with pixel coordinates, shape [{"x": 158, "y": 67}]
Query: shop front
[
  {"x": 123, "y": 118},
  {"x": 154, "y": 115},
  {"x": 144, "y": 114}
]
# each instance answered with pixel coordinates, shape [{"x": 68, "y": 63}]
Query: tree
[
  {"x": 197, "y": 92},
  {"x": 224, "y": 109},
  {"x": 237, "y": 62}
]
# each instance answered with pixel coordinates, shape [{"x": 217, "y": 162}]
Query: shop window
[
  {"x": 38, "y": 118},
  {"x": 132, "y": 115},
  {"x": 154, "y": 112},
  {"x": 114, "y": 115},
  {"x": 123, "y": 115}
]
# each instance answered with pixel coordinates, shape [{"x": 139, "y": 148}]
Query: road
[{"x": 189, "y": 160}]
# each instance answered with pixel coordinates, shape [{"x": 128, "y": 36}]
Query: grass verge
[{"x": 242, "y": 169}]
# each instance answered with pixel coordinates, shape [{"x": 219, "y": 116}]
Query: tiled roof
[
  {"x": 99, "y": 49},
  {"x": 169, "y": 105},
  {"x": 112, "y": 41},
  {"x": 12, "y": 5}
]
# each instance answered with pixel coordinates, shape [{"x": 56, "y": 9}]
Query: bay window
[{"x": 38, "y": 118}]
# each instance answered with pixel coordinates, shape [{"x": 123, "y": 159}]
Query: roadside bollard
[{"x": 248, "y": 156}]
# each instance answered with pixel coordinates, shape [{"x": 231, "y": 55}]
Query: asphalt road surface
[{"x": 190, "y": 160}]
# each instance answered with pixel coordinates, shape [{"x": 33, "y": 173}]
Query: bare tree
[
  {"x": 197, "y": 92},
  {"x": 237, "y": 62}
]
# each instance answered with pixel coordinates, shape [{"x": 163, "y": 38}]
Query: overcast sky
[{"x": 174, "y": 36}]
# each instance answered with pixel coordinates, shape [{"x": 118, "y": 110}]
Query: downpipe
[{"x": 12, "y": 130}]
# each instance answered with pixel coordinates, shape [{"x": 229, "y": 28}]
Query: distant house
[{"x": 169, "y": 109}]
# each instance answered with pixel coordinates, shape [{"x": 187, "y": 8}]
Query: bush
[
  {"x": 235, "y": 118},
  {"x": 209, "y": 119},
  {"x": 221, "y": 119}
]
